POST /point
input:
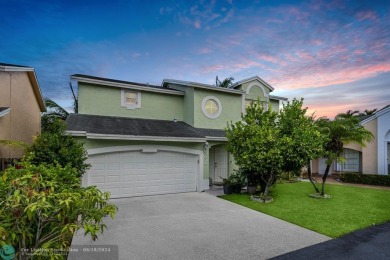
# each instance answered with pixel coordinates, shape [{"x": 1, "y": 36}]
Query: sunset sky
[{"x": 335, "y": 54}]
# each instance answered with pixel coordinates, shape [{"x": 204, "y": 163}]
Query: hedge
[{"x": 371, "y": 179}]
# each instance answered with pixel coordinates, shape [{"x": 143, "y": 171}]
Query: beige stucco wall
[
  {"x": 353, "y": 146},
  {"x": 370, "y": 151},
  {"x": 24, "y": 120}
]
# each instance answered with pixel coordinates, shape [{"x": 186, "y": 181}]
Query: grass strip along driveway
[{"x": 349, "y": 209}]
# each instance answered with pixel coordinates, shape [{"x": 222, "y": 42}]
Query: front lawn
[{"x": 349, "y": 209}]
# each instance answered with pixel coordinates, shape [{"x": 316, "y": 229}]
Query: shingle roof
[
  {"x": 111, "y": 125},
  {"x": 12, "y": 65},
  {"x": 3, "y": 109},
  {"x": 211, "y": 132},
  {"x": 115, "y": 80}
]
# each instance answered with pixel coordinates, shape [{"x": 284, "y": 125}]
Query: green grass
[{"x": 349, "y": 209}]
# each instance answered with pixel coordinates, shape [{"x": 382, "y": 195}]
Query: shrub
[
  {"x": 287, "y": 177},
  {"x": 371, "y": 179},
  {"x": 54, "y": 146},
  {"x": 41, "y": 207}
]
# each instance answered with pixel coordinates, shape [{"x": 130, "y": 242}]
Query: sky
[{"x": 334, "y": 54}]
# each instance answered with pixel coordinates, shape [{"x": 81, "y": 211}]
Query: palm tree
[
  {"x": 367, "y": 113},
  {"x": 226, "y": 83},
  {"x": 342, "y": 130},
  {"x": 349, "y": 113},
  {"x": 54, "y": 113},
  {"x": 55, "y": 110}
]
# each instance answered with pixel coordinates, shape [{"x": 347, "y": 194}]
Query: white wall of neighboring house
[{"x": 383, "y": 140}]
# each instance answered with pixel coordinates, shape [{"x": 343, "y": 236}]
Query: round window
[{"x": 211, "y": 107}]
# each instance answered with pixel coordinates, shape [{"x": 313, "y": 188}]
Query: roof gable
[
  {"x": 377, "y": 114},
  {"x": 33, "y": 79},
  {"x": 254, "y": 78}
]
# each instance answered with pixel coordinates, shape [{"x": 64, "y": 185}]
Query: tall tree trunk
[
  {"x": 324, "y": 178},
  {"x": 311, "y": 178}
]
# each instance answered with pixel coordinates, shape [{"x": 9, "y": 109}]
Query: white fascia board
[
  {"x": 145, "y": 138},
  {"x": 376, "y": 115},
  {"x": 278, "y": 98},
  {"x": 4, "y": 112},
  {"x": 76, "y": 133},
  {"x": 253, "y": 78},
  {"x": 213, "y": 138},
  {"x": 128, "y": 86},
  {"x": 12, "y": 68},
  {"x": 203, "y": 86}
]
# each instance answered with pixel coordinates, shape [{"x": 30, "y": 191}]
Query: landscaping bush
[
  {"x": 41, "y": 207},
  {"x": 54, "y": 146},
  {"x": 287, "y": 177},
  {"x": 371, "y": 179}
]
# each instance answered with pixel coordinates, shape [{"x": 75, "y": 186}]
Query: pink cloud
[
  {"x": 315, "y": 76},
  {"x": 366, "y": 15}
]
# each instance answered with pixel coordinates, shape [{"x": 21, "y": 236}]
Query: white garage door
[{"x": 134, "y": 173}]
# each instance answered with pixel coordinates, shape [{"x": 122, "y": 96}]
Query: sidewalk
[{"x": 333, "y": 180}]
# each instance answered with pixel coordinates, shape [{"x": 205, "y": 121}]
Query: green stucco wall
[
  {"x": 231, "y": 109},
  {"x": 101, "y": 100},
  {"x": 274, "y": 105}
]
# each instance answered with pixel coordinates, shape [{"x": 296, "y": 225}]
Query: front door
[{"x": 220, "y": 164}]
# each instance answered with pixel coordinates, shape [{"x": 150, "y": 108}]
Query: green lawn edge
[{"x": 349, "y": 209}]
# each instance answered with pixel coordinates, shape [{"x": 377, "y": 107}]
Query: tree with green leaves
[
  {"x": 342, "y": 130},
  {"x": 303, "y": 140},
  {"x": 269, "y": 143},
  {"x": 54, "y": 112}
]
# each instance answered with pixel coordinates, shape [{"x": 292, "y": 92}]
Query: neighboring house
[
  {"x": 21, "y": 105},
  {"x": 143, "y": 139},
  {"x": 374, "y": 158}
]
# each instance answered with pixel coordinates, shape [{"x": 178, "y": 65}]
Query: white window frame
[
  {"x": 213, "y": 116},
  {"x": 123, "y": 99}
]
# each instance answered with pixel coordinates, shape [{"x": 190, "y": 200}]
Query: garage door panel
[{"x": 127, "y": 174}]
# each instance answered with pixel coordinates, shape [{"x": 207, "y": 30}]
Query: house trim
[
  {"x": 127, "y": 86},
  {"x": 216, "y": 115},
  {"x": 255, "y": 84},
  {"x": 200, "y": 186},
  {"x": 135, "y": 137},
  {"x": 33, "y": 79},
  {"x": 253, "y": 78},
  {"x": 200, "y": 85},
  {"x": 123, "y": 102},
  {"x": 278, "y": 98},
  {"x": 213, "y": 138},
  {"x": 374, "y": 116}
]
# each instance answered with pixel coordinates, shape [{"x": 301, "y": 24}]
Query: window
[
  {"x": 211, "y": 107},
  {"x": 352, "y": 160},
  {"x": 130, "y": 99}
]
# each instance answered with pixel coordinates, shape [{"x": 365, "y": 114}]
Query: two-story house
[
  {"x": 374, "y": 158},
  {"x": 143, "y": 139},
  {"x": 21, "y": 105}
]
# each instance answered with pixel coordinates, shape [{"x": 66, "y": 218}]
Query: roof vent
[{"x": 175, "y": 119}]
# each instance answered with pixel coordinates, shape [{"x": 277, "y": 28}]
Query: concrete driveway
[{"x": 191, "y": 226}]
